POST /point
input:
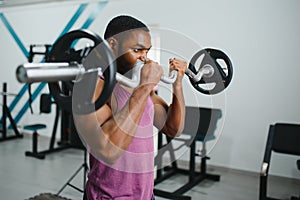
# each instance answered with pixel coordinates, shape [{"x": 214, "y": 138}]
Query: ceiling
[{"x": 13, "y": 3}]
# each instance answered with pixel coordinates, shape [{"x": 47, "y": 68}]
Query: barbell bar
[
  {"x": 69, "y": 66},
  {"x": 64, "y": 71}
]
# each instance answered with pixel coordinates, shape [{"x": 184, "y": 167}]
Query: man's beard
[{"x": 124, "y": 67}]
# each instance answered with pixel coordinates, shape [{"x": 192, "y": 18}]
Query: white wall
[{"x": 261, "y": 37}]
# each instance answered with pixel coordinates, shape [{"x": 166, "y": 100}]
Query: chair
[
  {"x": 282, "y": 138},
  {"x": 45, "y": 107}
]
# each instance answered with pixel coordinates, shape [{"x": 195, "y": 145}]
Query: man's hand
[
  {"x": 151, "y": 73},
  {"x": 178, "y": 65}
]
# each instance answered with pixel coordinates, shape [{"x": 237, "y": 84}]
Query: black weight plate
[
  {"x": 220, "y": 79},
  {"x": 63, "y": 51}
]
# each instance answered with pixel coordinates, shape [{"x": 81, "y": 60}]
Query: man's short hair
[{"x": 121, "y": 24}]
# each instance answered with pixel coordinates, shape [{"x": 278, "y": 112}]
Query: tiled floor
[{"x": 22, "y": 177}]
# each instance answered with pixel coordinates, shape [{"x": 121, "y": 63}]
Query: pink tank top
[{"x": 132, "y": 176}]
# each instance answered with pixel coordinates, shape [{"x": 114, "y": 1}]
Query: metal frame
[
  {"x": 85, "y": 168},
  {"x": 195, "y": 177},
  {"x": 6, "y": 113}
]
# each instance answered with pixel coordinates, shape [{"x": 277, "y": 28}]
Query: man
[{"x": 119, "y": 135}]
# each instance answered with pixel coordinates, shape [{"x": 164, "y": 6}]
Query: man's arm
[
  {"x": 170, "y": 119},
  {"x": 108, "y": 135}
]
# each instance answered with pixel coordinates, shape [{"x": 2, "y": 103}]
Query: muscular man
[{"x": 119, "y": 135}]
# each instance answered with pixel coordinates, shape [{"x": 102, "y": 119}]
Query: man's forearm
[{"x": 176, "y": 113}]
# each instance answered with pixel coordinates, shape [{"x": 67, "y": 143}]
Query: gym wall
[{"x": 261, "y": 38}]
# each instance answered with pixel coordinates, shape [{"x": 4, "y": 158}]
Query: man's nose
[{"x": 143, "y": 56}]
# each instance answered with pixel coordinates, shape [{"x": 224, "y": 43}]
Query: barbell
[{"x": 67, "y": 65}]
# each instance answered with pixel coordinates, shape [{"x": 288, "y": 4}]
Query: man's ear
[{"x": 113, "y": 43}]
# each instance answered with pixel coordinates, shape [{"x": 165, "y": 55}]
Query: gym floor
[{"x": 24, "y": 177}]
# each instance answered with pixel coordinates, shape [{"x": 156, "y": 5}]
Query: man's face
[{"x": 132, "y": 47}]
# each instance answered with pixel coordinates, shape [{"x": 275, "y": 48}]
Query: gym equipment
[
  {"x": 6, "y": 113},
  {"x": 46, "y": 102},
  {"x": 200, "y": 131},
  {"x": 63, "y": 51},
  {"x": 45, "y": 107},
  {"x": 33, "y": 50},
  {"x": 282, "y": 138},
  {"x": 207, "y": 67},
  {"x": 69, "y": 65},
  {"x": 85, "y": 168},
  {"x": 63, "y": 71},
  {"x": 209, "y": 71}
]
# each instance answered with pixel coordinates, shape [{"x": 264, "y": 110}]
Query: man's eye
[{"x": 140, "y": 50}]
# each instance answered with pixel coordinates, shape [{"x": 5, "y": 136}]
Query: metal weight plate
[
  {"x": 63, "y": 50},
  {"x": 222, "y": 75}
]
